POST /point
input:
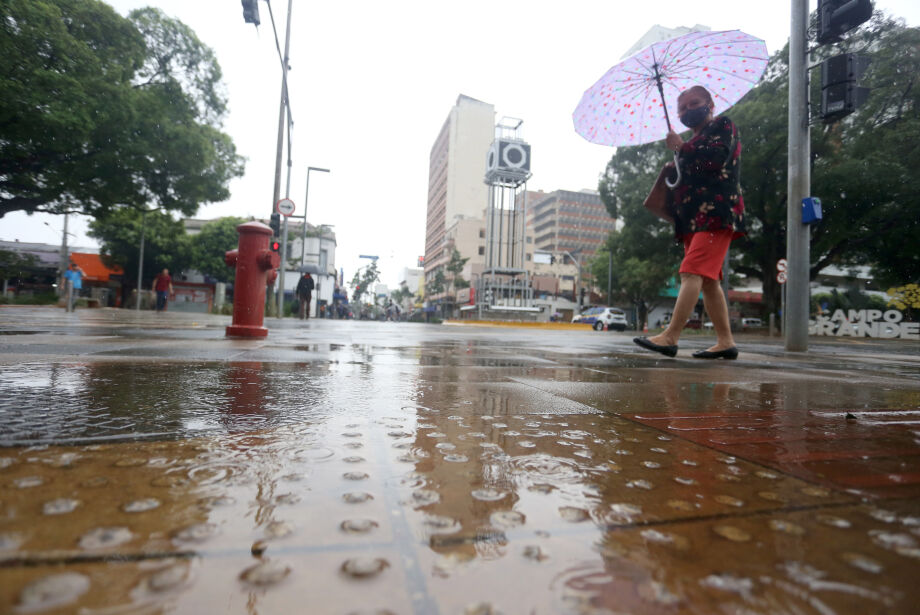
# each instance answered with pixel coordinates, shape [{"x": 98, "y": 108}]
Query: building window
[
  {"x": 482, "y": 234},
  {"x": 528, "y": 256},
  {"x": 324, "y": 260},
  {"x": 482, "y": 250}
]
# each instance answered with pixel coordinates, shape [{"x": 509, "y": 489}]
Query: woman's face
[{"x": 690, "y": 100}]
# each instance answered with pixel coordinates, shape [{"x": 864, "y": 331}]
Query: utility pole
[
  {"x": 282, "y": 116},
  {"x": 798, "y": 237},
  {"x": 140, "y": 260}
]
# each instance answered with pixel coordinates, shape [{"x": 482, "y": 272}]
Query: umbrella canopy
[
  {"x": 630, "y": 104},
  {"x": 311, "y": 269}
]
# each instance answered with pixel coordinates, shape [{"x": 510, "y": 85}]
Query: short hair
[{"x": 698, "y": 89}]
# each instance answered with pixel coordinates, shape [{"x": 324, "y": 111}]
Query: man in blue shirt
[{"x": 74, "y": 281}]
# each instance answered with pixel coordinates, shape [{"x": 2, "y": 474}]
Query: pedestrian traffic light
[
  {"x": 837, "y": 17},
  {"x": 251, "y": 11},
  {"x": 275, "y": 224},
  {"x": 275, "y": 245},
  {"x": 841, "y": 93}
]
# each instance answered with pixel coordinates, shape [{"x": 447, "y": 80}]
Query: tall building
[
  {"x": 456, "y": 189},
  {"x": 567, "y": 221}
]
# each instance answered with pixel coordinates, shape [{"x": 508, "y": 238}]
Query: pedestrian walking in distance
[
  {"x": 162, "y": 284},
  {"x": 73, "y": 278},
  {"x": 305, "y": 294},
  {"x": 707, "y": 210}
]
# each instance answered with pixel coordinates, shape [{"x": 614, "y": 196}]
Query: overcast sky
[{"x": 372, "y": 83}]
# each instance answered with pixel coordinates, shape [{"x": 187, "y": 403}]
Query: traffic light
[
  {"x": 251, "y": 11},
  {"x": 275, "y": 224},
  {"x": 841, "y": 93},
  {"x": 275, "y": 245},
  {"x": 837, "y": 17}
]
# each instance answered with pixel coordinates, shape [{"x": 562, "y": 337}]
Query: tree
[
  {"x": 101, "y": 111},
  {"x": 455, "y": 268},
  {"x": 166, "y": 245},
  {"x": 14, "y": 265},
  {"x": 209, "y": 246},
  {"x": 362, "y": 282},
  {"x": 437, "y": 283}
]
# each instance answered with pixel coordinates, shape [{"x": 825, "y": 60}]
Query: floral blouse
[{"x": 709, "y": 195}]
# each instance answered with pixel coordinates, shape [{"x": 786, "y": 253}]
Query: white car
[
  {"x": 599, "y": 317},
  {"x": 751, "y": 322}
]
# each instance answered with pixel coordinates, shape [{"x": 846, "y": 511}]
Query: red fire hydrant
[{"x": 255, "y": 269}]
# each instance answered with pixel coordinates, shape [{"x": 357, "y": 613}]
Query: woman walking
[{"x": 708, "y": 212}]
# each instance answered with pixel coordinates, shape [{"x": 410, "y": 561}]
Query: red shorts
[{"x": 704, "y": 253}]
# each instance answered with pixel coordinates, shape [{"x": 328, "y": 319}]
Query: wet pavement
[{"x": 150, "y": 465}]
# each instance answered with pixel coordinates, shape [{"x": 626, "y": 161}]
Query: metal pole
[
  {"x": 282, "y": 113},
  {"x": 303, "y": 243},
  {"x": 609, "y": 277},
  {"x": 140, "y": 260},
  {"x": 795, "y": 315},
  {"x": 303, "y": 237},
  {"x": 287, "y": 195},
  {"x": 284, "y": 234},
  {"x": 65, "y": 257}
]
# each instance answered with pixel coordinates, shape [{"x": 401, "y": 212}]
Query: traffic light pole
[{"x": 795, "y": 316}]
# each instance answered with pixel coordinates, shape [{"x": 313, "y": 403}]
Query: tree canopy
[
  {"x": 863, "y": 169},
  {"x": 101, "y": 111},
  {"x": 166, "y": 245},
  {"x": 211, "y": 244}
]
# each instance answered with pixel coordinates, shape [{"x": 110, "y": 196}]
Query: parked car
[
  {"x": 708, "y": 324},
  {"x": 747, "y": 323},
  {"x": 694, "y": 323},
  {"x": 598, "y": 317}
]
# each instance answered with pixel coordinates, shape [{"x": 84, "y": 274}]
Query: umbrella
[
  {"x": 627, "y": 105},
  {"x": 311, "y": 269}
]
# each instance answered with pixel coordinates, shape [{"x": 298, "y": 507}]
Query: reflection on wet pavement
[{"x": 453, "y": 478}]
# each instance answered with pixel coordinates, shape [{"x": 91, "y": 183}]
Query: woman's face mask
[{"x": 691, "y": 118}]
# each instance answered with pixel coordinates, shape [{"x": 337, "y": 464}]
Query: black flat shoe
[
  {"x": 668, "y": 351},
  {"x": 729, "y": 354}
]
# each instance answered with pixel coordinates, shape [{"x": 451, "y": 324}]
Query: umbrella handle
[{"x": 676, "y": 182}]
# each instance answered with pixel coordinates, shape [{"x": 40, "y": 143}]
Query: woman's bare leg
[
  {"x": 717, "y": 308},
  {"x": 689, "y": 294}
]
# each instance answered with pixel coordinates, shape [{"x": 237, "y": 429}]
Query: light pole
[
  {"x": 303, "y": 244},
  {"x": 65, "y": 254},
  {"x": 577, "y": 281}
]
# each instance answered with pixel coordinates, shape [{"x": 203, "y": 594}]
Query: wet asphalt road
[{"x": 148, "y": 464}]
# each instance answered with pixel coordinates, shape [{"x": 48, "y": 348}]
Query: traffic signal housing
[
  {"x": 251, "y": 11},
  {"x": 275, "y": 224},
  {"x": 274, "y": 245},
  {"x": 837, "y": 17},
  {"x": 841, "y": 93}
]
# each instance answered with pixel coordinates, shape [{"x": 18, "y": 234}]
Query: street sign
[
  {"x": 781, "y": 277},
  {"x": 285, "y": 207},
  {"x": 781, "y": 266}
]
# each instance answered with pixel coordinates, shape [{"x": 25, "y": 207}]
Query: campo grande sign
[{"x": 866, "y": 323}]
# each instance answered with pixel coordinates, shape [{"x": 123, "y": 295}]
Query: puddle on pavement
[{"x": 280, "y": 481}]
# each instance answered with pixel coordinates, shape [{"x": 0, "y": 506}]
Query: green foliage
[
  {"x": 166, "y": 245},
  {"x": 100, "y": 111},
  {"x": 13, "y": 264},
  {"x": 209, "y": 246},
  {"x": 455, "y": 267},
  {"x": 363, "y": 281},
  {"x": 437, "y": 283}
]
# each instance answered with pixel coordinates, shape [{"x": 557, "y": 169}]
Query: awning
[{"x": 94, "y": 270}]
